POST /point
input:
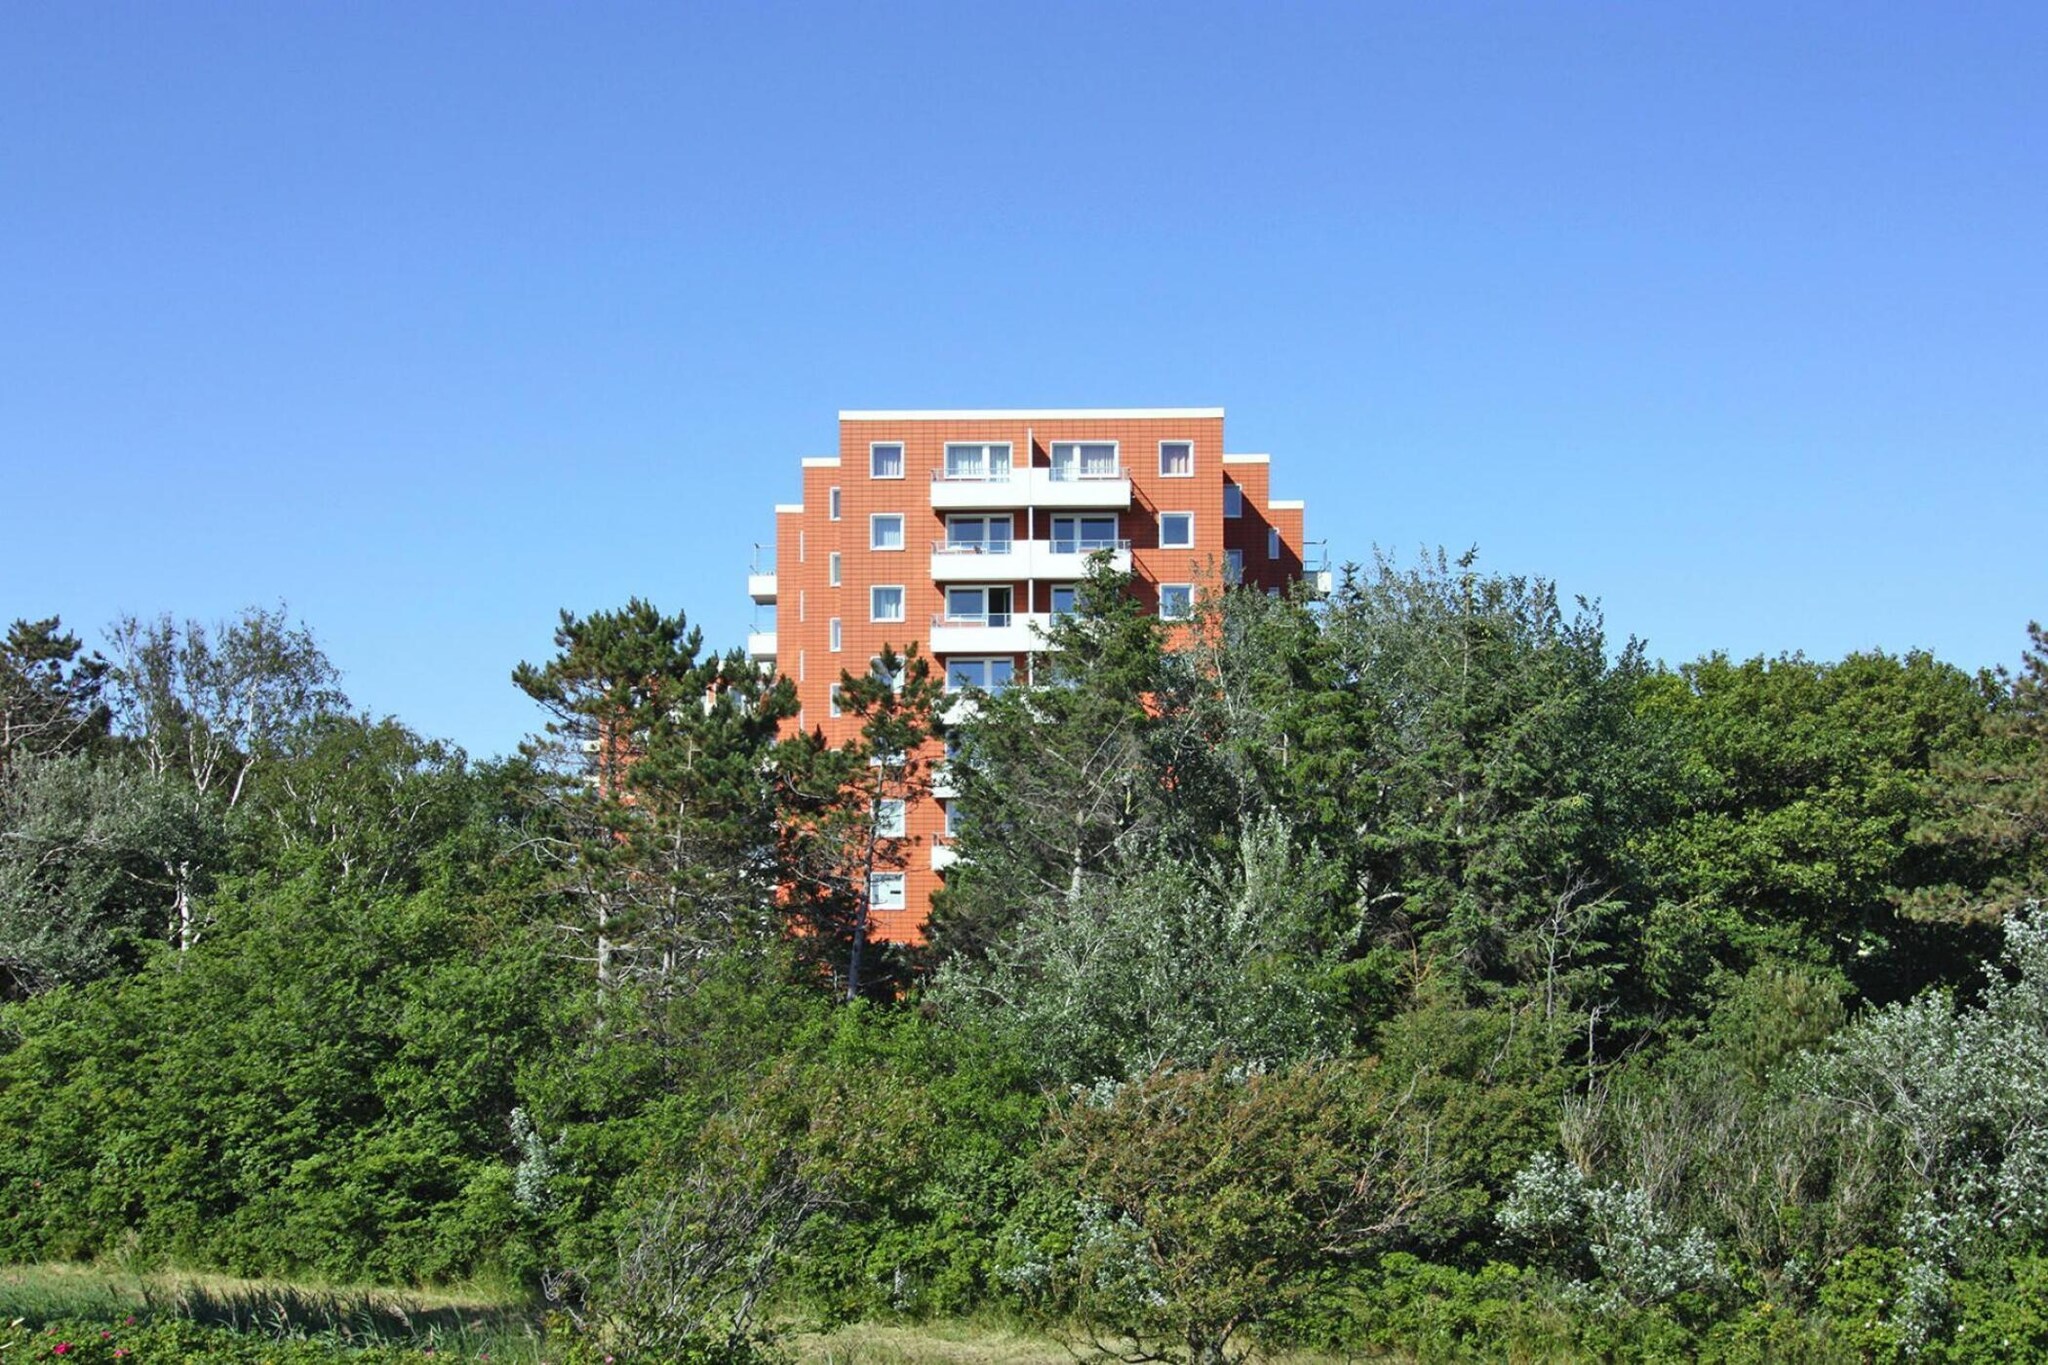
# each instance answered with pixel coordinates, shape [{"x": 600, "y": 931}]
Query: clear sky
[{"x": 430, "y": 320}]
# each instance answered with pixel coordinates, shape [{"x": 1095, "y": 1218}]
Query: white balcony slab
[
  {"x": 761, "y": 587},
  {"x": 1030, "y": 488},
  {"x": 1016, "y": 635},
  {"x": 761, "y": 644},
  {"x": 1023, "y": 559},
  {"x": 943, "y": 857}
]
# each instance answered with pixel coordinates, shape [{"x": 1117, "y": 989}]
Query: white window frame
[
  {"x": 835, "y": 635},
  {"x": 887, "y": 891},
  {"x": 1079, "y": 473},
  {"x": 875, "y": 603},
  {"x": 891, "y": 817},
  {"x": 902, "y": 458},
  {"x": 986, "y": 521},
  {"x": 1233, "y": 501},
  {"x": 875, "y": 520},
  {"x": 800, "y": 606},
  {"x": 1272, "y": 542},
  {"x": 1187, "y": 473},
  {"x": 1166, "y": 544},
  {"x": 832, "y": 701},
  {"x": 1233, "y": 567},
  {"x": 985, "y": 660},
  {"x": 832, "y": 569},
  {"x": 990, "y": 471},
  {"x": 985, "y": 615},
  {"x": 1188, "y": 589},
  {"x": 1053, "y": 599},
  {"x": 832, "y": 503},
  {"x": 949, "y": 815},
  {"x": 1075, "y": 536}
]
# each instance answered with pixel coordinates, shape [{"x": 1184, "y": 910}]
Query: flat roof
[{"x": 1018, "y": 414}]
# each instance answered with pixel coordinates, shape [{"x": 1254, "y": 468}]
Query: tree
[
  {"x": 213, "y": 703},
  {"x": 660, "y": 818},
  {"x": 95, "y": 864},
  {"x": 49, "y": 692},
  {"x": 1210, "y": 1200}
]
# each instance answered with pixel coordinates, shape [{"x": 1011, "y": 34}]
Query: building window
[
  {"x": 1273, "y": 543},
  {"x": 1177, "y": 459},
  {"x": 885, "y": 603},
  {"x": 978, "y": 606},
  {"x": 832, "y": 569},
  {"x": 885, "y": 460},
  {"x": 885, "y": 891},
  {"x": 832, "y": 503},
  {"x": 1073, "y": 460},
  {"x": 966, "y": 461},
  {"x": 881, "y": 674},
  {"x": 885, "y": 531},
  {"x": 952, "y": 814},
  {"x": 1233, "y": 500},
  {"x": 1176, "y": 530},
  {"x": 799, "y": 605},
  {"x": 1062, "y": 600},
  {"x": 990, "y": 675},
  {"x": 833, "y": 632},
  {"x": 1083, "y": 535},
  {"x": 832, "y": 701},
  {"x": 889, "y": 817},
  {"x": 1233, "y": 566},
  {"x": 1176, "y": 601},
  {"x": 979, "y": 535}
]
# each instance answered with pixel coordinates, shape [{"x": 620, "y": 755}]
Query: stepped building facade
[{"x": 962, "y": 531}]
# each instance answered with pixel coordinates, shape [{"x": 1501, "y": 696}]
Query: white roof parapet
[
  {"x": 821, "y": 462},
  {"x": 1247, "y": 459},
  {"x": 791, "y": 508},
  {"x": 1286, "y": 505},
  {"x": 1017, "y": 414}
]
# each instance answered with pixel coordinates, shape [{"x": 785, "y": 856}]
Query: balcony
[
  {"x": 1036, "y": 487},
  {"x": 761, "y": 646},
  {"x": 943, "y": 857},
  {"x": 1013, "y": 561},
  {"x": 997, "y": 633},
  {"x": 761, "y": 587}
]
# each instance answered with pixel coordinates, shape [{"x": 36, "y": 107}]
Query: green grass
[{"x": 462, "y": 1323}]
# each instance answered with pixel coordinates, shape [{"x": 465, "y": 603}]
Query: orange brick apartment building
[{"x": 962, "y": 530}]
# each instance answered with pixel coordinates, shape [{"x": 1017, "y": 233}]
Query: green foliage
[{"x": 50, "y": 692}]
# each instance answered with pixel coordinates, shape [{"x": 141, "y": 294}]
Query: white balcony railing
[
  {"x": 1034, "y": 487},
  {"x": 1012, "y": 561}
]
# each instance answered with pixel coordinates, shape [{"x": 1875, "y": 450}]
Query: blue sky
[{"x": 432, "y": 320}]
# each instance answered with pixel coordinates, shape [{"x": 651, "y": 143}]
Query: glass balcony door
[
  {"x": 978, "y": 606},
  {"x": 978, "y": 535},
  {"x": 983, "y": 462},
  {"x": 1083, "y": 535},
  {"x": 1073, "y": 460}
]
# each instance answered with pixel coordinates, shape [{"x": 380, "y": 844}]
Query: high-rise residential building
[{"x": 962, "y": 530}]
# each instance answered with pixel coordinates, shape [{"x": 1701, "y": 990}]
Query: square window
[
  {"x": 885, "y": 460},
  {"x": 1062, "y": 599},
  {"x": 990, "y": 675},
  {"x": 885, "y": 604},
  {"x": 885, "y": 531},
  {"x": 833, "y": 631},
  {"x": 885, "y": 891},
  {"x": 1177, "y": 459},
  {"x": 1233, "y": 566},
  {"x": 1176, "y": 530},
  {"x": 889, "y": 817},
  {"x": 832, "y": 500},
  {"x": 832, "y": 569},
  {"x": 1176, "y": 601},
  {"x": 1233, "y": 500},
  {"x": 1273, "y": 543}
]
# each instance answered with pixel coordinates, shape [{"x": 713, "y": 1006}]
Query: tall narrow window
[
  {"x": 833, "y": 632},
  {"x": 885, "y": 460},
  {"x": 1273, "y": 542},
  {"x": 1176, "y": 530},
  {"x": 832, "y": 701},
  {"x": 799, "y": 547},
  {"x": 1177, "y": 459},
  {"x": 1176, "y": 601},
  {"x": 889, "y": 817},
  {"x": 832, "y": 502},
  {"x": 1233, "y": 566},
  {"x": 1233, "y": 500},
  {"x": 885, "y": 531},
  {"x": 832, "y": 569},
  {"x": 885, "y": 603}
]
